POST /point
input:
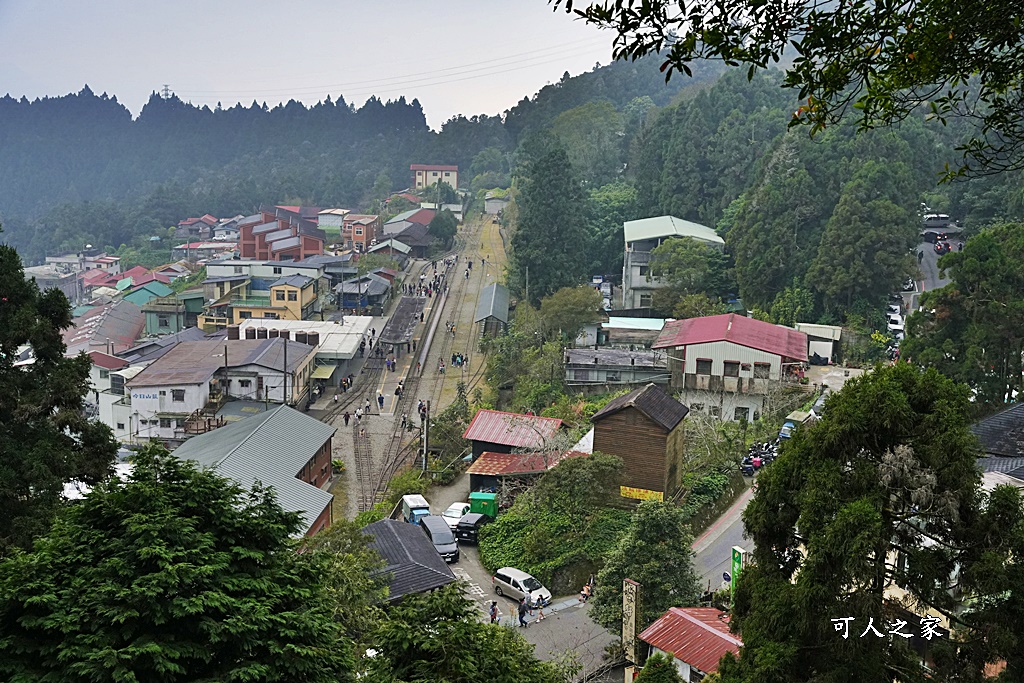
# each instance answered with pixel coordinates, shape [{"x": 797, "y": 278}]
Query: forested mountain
[{"x": 79, "y": 168}]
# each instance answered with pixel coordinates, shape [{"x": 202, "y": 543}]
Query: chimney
[
  {"x": 632, "y": 361},
  {"x": 595, "y": 360}
]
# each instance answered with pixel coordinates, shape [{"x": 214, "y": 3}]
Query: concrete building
[
  {"x": 336, "y": 343},
  {"x": 282, "y": 449},
  {"x": 725, "y": 365},
  {"x": 174, "y": 313},
  {"x": 360, "y": 231},
  {"x": 194, "y": 378},
  {"x": 621, "y": 333},
  {"x": 495, "y": 201},
  {"x": 293, "y": 297},
  {"x": 54, "y": 276},
  {"x": 599, "y": 370},
  {"x": 331, "y": 218},
  {"x": 642, "y": 237},
  {"x": 199, "y": 251},
  {"x": 425, "y": 175},
  {"x": 645, "y": 429}
]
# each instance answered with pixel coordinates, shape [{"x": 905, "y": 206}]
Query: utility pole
[
  {"x": 426, "y": 434},
  {"x": 286, "y": 396}
]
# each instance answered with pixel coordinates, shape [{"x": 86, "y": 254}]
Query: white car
[{"x": 454, "y": 513}]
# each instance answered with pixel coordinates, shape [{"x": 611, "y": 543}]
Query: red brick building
[
  {"x": 279, "y": 234},
  {"x": 359, "y": 230}
]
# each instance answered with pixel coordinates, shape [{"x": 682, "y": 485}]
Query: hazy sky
[{"x": 455, "y": 56}]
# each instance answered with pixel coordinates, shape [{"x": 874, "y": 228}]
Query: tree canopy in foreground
[
  {"x": 883, "y": 492},
  {"x": 960, "y": 59}
]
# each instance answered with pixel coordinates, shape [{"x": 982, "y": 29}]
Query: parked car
[
  {"x": 516, "y": 584},
  {"x": 454, "y": 513},
  {"x": 894, "y": 309},
  {"x": 943, "y": 248},
  {"x": 440, "y": 534},
  {"x": 469, "y": 526},
  {"x": 909, "y": 285}
]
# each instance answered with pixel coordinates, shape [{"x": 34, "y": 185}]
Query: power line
[{"x": 406, "y": 79}]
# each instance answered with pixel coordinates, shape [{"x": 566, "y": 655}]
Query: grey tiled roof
[
  {"x": 1001, "y": 464},
  {"x": 296, "y": 280},
  {"x": 271, "y": 447},
  {"x": 493, "y": 303},
  {"x": 1002, "y": 433},
  {"x": 413, "y": 564},
  {"x": 652, "y": 402}
]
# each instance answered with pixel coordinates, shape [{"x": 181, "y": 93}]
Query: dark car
[
  {"x": 468, "y": 528},
  {"x": 440, "y": 534},
  {"x": 943, "y": 247}
]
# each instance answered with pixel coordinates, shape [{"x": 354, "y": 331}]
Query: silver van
[
  {"x": 515, "y": 584},
  {"x": 440, "y": 534}
]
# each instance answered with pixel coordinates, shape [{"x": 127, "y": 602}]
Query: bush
[
  {"x": 705, "y": 491},
  {"x": 406, "y": 483}
]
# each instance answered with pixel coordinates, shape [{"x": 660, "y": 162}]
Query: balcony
[{"x": 257, "y": 302}]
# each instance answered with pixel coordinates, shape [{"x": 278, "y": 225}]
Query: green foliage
[
  {"x": 892, "y": 464},
  {"x": 369, "y": 262},
  {"x": 608, "y": 207},
  {"x": 438, "y": 636},
  {"x": 443, "y": 226},
  {"x": 792, "y": 305},
  {"x": 655, "y": 552},
  {"x": 173, "y": 574},
  {"x": 703, "y": 490},
  {"x": 404, "y": 484},
  {"x": 550, "y": 209},
  {"x": 592, "y": 134},
  {"x": 376, "y": 513},
  {"x": 691, "y": 266},
  {"x": 659, "y": 668},
  {"x": 563, "y": 520},
  {"x": 194, "y": 280},
  {"x": 878, "y": 64},
  {"x": 440, "y": 193},
  {"x": 970, "y": 329},
  {"x": 566, "y": 312},
  {"x": 45, "y": 439}
]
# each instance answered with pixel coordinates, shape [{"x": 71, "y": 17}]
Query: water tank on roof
[
  {"x": 273, "y": 334},
  {"x": 301, "y": 337},
  {"x": 261, "y": 333},
  {"x": 233, "y": 332},
  {"x": 285, "y": 334},
  {"x": 250, "y": 333},
  {"x": 313, "y": 339}
]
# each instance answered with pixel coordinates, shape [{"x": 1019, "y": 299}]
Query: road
[
  {"x": 713, "y": 548},
  {"x": 930, "y": 278}
]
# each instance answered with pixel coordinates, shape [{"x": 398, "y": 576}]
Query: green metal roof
[{"x": 668, "y": 226}]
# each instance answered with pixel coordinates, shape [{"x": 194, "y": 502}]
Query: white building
[
  {"x": 725, "y": 365},
  {"x": 336, "y": 342},
  {"x": 194, "y": 378},
  {"x": 642, "y": 237},
  {"x": 332, "y": 218}
]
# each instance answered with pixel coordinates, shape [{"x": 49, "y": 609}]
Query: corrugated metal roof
[
  {"x": 507, "y": 464},
  {"x": 296, "y": 280},
  {"x": 668, "y": 226},
  {"x": 413, "y": 565},
  {"x": 616, "y": 358},
  {"x": 652, "y": 402},
  {"x": 1003, "y": 433},
  {"x": 493, "y": 303},
  {"x": 194, "y": 362},
  {"x": 698, "y": 636},
  {"x": 271, "y": 447},
  {"x": 265, "y": 227},
  {"x": 118, "y": 324},
  {"x": 107, "y": 362},
  {"x": 620, "y": 323},
  {"x": 738, "y": 329},
  {"x": 281, "y": 245},
  {"x": 511, "y": 429}
]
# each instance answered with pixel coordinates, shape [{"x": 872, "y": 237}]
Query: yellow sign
[{"x": 640, "y": 494}]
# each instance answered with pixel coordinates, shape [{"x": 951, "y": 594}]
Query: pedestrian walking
[
  {"x": 405, "y": 420},
  {"x": 347, "y": 418},
  {"x": 367, "y": 411},
  {"x": 357, "y": 420},
  {"x": 380, "y": 401},
  {"x": 493, "y": 611},
  {"x": 335, "y": 397},
  {"x": 362, "y": 433},
  {"x": 522, "y": 614}
]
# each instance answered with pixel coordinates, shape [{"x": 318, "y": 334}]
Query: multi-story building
[
  {"x": 255, "y": 287},
  {"x": 641, "y": 238},
  {"x": 194, "y": 378},
  {"x": 360, "y": 230},
  {"x": 425, "y": 175},
  {"x": 726, "y": 365},
  {"x": 293, "y": 297},
  {"x": 278, "y": 234}
]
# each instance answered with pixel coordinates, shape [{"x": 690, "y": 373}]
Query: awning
[{"x": 324, "y": 371}]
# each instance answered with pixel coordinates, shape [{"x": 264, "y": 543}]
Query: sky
[{"x": 455, "y": 56}]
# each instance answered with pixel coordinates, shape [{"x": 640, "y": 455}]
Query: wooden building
[
  {"x": 492, "y": 310},
  {"x": 645, "y": 429}
]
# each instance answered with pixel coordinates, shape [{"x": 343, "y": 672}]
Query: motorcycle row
[{"x": 760, "y": 455}]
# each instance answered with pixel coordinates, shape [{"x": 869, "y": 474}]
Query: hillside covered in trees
[{"x": 79, "y": 168}]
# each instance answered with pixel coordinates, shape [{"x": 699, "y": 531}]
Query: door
[{"x": 259, "y": 387}]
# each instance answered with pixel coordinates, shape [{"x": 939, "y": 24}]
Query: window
[
  {"x": 359, "y": 231},
  {"x": 581, "y": 375},
  {"x": 741, "y": 414},
  {"x": 272, "y": 316},
  {"x": 745, "y": 367},
  {"x": 165, "y": 423},
  {"x": 178, "y": 395},
  {"x": 238, "y": 270},
  {"x": 293, "y": 295},
  {"x": 277, "y": 270},
  {"x": 714, "y": 411},
  {"x": 703, "y": 366},
  {"x": 446, "y": 174},
  {"x": 104, "y": 374},
  {"x": 279, "y": 295},
  {"x": 762, "y": 370},
  {"x": 245, "y": 315},
  {"x": 163, "y": 393},
  {"x": 645, "y": 300},
  {"x": 644, "y": 270},
  {"x": 611, "y": 376},
  {"x": 697, "y": 407},
  {"x": 245, "y": 383},
  {"x": 732, "y": 368},
  {"x": 163, "y": 321},
  {"x": 120, "y": 425}
]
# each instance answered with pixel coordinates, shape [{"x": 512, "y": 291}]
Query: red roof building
[
  {"x": 485, "y": 472},
  {"x": 697, "y": 637},
  {"x": 737, "y": 329},
  {"x": 106, "y": 361},
  {"x": 279, "y": 234},
  {"x": 493, "y": 430}
]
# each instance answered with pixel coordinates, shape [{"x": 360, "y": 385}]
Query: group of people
[
  {"x": 459, "y": 360},
  {"x": 450, "y": 326}
]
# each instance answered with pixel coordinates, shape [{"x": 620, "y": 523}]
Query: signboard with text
[
  {"x": 640, "y": 494},
  {"x": 630, "y": 616},
  {"x": 738, "y": 557}
]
